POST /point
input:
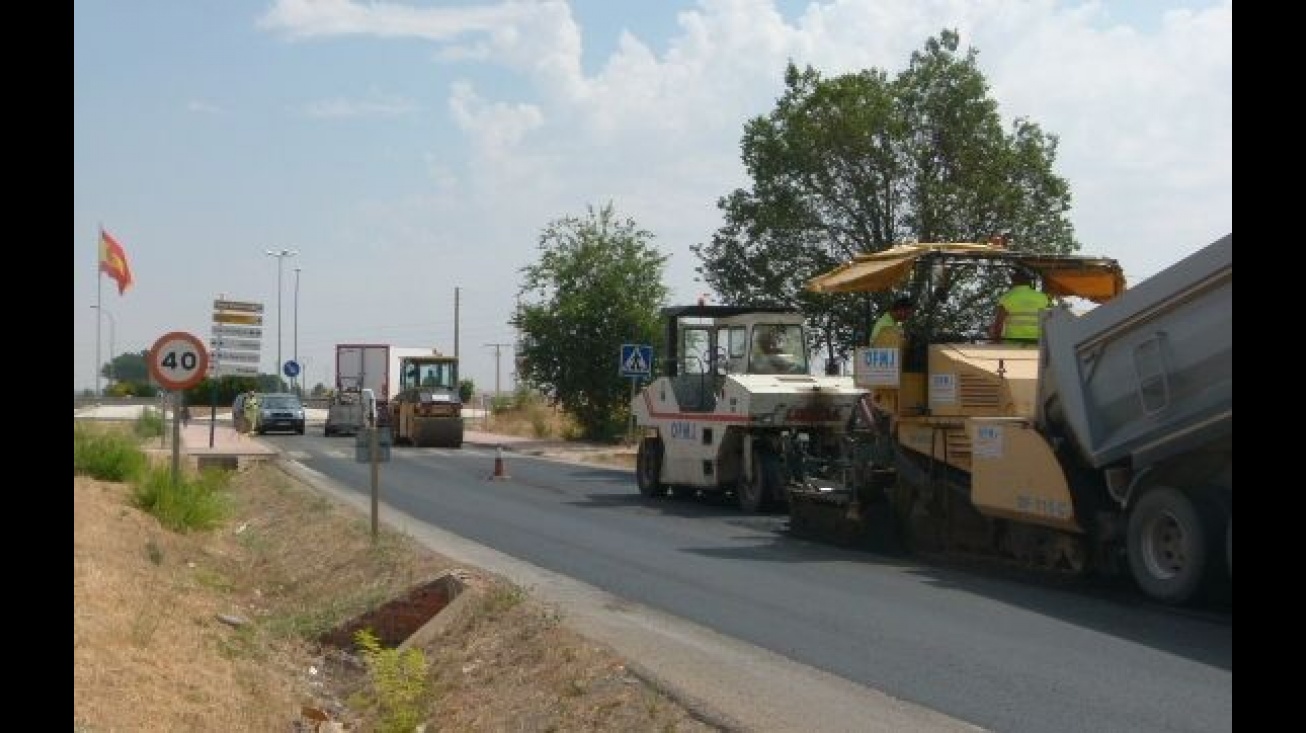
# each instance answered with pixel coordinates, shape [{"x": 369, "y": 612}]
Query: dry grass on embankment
[{"x": 214, "y": 630}]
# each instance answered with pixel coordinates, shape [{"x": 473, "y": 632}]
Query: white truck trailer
[{"x": 362, "y": 387}]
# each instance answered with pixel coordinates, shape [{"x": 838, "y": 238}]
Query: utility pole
[
  {"x": 498, "y": 350},
  {"x": 281, "y": 256},
  {"x": 297, "y": 382}
]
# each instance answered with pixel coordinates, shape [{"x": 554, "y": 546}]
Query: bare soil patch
[{"x": 220, "y": 630}]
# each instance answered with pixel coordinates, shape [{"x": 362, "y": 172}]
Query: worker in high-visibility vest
[
  {"x": 892, "y": 319},
  {"x": 252, "y": 413},
  {"x": 1017, "y": 317}
]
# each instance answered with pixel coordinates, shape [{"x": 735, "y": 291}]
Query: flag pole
[{"x": 99, "y": 311}]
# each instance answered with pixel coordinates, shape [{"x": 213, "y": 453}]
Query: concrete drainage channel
[{"x": 411, "y": 620}]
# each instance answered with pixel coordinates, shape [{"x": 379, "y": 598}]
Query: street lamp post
[
  {"x": 281, "y": 255},
  {"x": 113, "y": 326},
  {"x": 294, "y": 350}
]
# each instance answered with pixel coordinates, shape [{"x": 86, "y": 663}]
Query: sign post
[
  {"x": 372, "y": 445},
  {"x": 236, "y": 342},
  {"x": 178, "y": 361},
  {"x": 636, "y": 363}
]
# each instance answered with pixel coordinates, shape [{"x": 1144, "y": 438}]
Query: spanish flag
[{"x": 113, "y": 261}]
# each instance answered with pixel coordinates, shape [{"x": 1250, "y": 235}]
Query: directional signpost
[
  {"x": 236, "y": 343},
  {"x": 237, "y": 340},
  {"x": 636, "y": 363}
]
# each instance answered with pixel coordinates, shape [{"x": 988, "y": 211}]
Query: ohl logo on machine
[{"x": 682, "y": 430}]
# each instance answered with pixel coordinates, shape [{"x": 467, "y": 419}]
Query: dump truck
[
  {"x": 362, "y": 388},
  {"x": 1106, "y": 448},
  {"x": 426, "y": 411},
  {"x": 735, "y": 380}
]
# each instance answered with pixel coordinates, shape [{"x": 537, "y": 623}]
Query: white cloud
[
  {"x": 327, "y": 18},
  {"x": 537, "y": 38},
  {"x": 1144, "y": 117},
  {"x": 495, "y": 127}
]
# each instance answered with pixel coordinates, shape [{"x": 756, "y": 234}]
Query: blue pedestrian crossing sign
[{"x": 636, "y": 360}]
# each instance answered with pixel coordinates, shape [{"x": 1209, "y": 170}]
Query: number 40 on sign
[{"x": 178, "y": 361}]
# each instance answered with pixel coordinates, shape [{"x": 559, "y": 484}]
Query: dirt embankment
[{"x": 214, "y": 631}]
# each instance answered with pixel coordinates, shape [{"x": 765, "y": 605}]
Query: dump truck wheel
[
  {"x": 1171, "y": 543},
  {"x": 648, "y": 468}
]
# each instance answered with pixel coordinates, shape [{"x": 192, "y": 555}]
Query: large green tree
[
  {"x": 597, "y": 285},
  {"x": 127, "y": 367},
  {"x": 862, "y": 161}
]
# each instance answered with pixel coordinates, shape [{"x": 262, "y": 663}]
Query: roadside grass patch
[
  {"x": 502, "y": 599},
  {"x": 194, "y": 502},
  {"x": 106, "y": 455}
]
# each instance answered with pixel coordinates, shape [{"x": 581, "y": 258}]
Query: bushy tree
[
  {"x": 271, "y": 383},
  {"x": 862, "y": 161},
  {"x": 597, "y": 285},
  {"x": 128, "y": 375},
  {"x": 128, "y": 367},
  {"x": 220, "y": 391}
]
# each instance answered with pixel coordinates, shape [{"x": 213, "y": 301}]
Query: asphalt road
[{"x": 766, "y": 632}]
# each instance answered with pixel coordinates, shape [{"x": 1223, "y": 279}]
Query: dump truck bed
[{"x": 1148, "y": 375}]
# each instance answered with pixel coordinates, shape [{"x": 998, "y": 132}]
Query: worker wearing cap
[{"x": 1017, "y": 317}]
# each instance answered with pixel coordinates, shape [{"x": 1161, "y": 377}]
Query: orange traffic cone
[{"x": 499, "y": 472}]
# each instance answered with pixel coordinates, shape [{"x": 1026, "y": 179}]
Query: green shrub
[
  {"x": 399, "y": 684},
  {"x": 195, "y": 502},
  {"x": 466, "y": 390},
  {"x": 107, "y": 455}
]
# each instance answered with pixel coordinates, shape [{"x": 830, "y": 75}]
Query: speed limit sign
[{"x": 178, "y": 361}]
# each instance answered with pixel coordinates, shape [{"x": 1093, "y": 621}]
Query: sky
[{"x": 411, "y": 153}]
